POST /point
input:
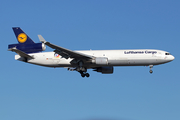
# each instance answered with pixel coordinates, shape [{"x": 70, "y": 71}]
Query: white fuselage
[{"x": 140, "y": 57}]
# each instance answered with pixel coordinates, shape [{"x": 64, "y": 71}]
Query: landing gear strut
[
  {"x": 151, "y": 66},
  {"x": 82, "y": 70}
]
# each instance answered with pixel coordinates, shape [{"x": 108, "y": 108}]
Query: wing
[
  {"x": 21, "y": 53},
  {"x": 66, "y": 53}
]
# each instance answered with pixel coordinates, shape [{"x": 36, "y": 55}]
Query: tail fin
[
  {"x": 26, "y": 44},
  {"x": 21, "y": 36}
]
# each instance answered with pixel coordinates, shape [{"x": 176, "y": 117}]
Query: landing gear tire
[
  {"x": 87, "y": 75},
  {"x": 151, "y": 71},
  {"x": 83, "y": 75}
]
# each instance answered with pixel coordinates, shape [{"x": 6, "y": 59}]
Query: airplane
[{"x": 102, "y": 61}]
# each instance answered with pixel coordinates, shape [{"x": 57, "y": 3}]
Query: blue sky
[{"x": 29, "y": 92}]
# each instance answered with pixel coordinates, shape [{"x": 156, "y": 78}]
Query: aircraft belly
[{"x": 50, "y": 62}]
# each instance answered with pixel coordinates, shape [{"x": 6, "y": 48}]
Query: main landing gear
[
  {"x": 82, "y": 71},
  {"x": 151, "y": 66},
  {"x": 83, "y": 74}
]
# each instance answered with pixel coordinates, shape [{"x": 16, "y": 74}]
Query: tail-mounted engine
[{"x": 29, "y": 48}]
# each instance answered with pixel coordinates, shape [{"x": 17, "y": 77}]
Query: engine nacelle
[
  {"x": 29, "y": 48},
  {"x": 105, "y": 70},
  {"x": 100, "y": 61}
]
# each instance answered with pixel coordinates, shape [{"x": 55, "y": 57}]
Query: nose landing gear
[{"x": 151, "y": 66}]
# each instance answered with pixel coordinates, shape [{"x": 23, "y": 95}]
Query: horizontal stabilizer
[{"x": 21, "y": 53}]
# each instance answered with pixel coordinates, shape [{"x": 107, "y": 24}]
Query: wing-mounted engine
[
  {"x": 29, "y": 48},
  {"x": 100, "y": 61},
  {"x": 104, "y": 70}
]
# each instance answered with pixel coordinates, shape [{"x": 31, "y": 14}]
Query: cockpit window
[{"x": 167, "y": 54}]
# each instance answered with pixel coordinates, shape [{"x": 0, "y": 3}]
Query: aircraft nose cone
[{"x": 171, "y": 58}]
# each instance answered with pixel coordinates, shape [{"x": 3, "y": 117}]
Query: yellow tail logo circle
[{"x": 22, "y": 38}]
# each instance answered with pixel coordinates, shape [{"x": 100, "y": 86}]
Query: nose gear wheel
[{"x": 151, "y": 66}]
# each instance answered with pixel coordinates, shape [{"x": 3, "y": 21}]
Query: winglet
[{"x": 41, "y": 39}]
